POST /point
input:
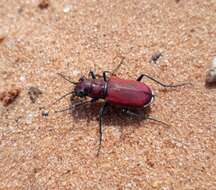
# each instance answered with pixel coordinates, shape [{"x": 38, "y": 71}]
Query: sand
[{"x": 58, "y": 151}]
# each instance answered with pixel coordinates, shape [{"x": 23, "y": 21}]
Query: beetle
[{"x": 114, "y": 91}]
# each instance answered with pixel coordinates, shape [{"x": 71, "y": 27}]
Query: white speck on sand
[{"x": 67, "y": 8}]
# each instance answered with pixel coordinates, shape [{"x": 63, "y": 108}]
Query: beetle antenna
[
  {"x": 67, "y": 94},
  {"x": 153, "y": 119},
  {"x": 164, "y": 85},
  {"x": 63, "y": 110},
  {"x": 72, "y": 106},
  {"x": 65, "y": 78},
  {"x": 118, "y": 66}
]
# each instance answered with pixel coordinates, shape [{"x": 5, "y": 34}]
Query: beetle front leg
[
  {"x": 101, "y": 113},
  {"x": 92, "y": 74}
]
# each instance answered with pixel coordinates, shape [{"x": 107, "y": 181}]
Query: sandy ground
[{"x": 72, "y": 37}]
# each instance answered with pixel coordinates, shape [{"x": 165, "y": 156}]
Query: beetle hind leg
[
  {"x": 133, "y": 114},
  {"x": 160, "y": 83},
  {"x": 140, "y": 78}
]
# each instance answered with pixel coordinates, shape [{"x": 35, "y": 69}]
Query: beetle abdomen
[{"x": 128, "y": 93}]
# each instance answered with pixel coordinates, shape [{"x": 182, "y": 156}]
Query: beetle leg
[
  {"x": 71, "y": 107},
  {"x": 140, "y": 77},
  {"x": 127, "y": 111},
  {"x": 105, "y": 76},
  {"x": 153, "y": 119},
  {"x": 164, "y": 85},
  {"x": 101, "y": 113},
  {"x": 114, "y": 71},
  {"x": 118, "y": 66},
  {"x": 92, "y": 74}
]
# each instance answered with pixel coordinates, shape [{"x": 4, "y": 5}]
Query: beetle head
[{"x": 83, "y": 87}]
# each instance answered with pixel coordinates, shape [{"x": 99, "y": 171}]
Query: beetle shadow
[{"x": 113, "y": 116}]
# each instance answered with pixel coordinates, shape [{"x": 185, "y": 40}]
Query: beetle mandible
[{"x": 114, "y": 91}]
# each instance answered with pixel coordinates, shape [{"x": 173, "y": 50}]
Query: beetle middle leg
[
  {"x": 160, "y": 83},
  {"x": 101, "y": 113}
]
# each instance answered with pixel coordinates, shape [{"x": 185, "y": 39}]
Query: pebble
[
  {"x": 67, "y": 8},
  {"x": 2, "y": 36},
  {"x": 155, "y": 57},
  {"x": 44, "y": 4},
  {"x": 45, "y": 113},
  {"x": 29, "y": 118},
  {"x": 211, "y": 73},
  {"x": 76, "y": 72},
  {"x": 34, "y": 93},
  {"x": 9, "y": 96},
  {"x": 22, "y": 78}
]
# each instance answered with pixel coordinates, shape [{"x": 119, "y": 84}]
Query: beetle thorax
[
  {"x": 91, "y": 88},
  {"x": 99, "y": 89}
]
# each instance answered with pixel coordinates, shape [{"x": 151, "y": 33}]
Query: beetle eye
[{"x": 81, "y": 93}]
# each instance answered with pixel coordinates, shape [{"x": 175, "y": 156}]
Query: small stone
[
  {"x": 29, "y": 118},
  {"x": 155, "y": 57},
  {"x": 34, "y": 93},
  {"x": 22, "y": 78},
  {"x": 211, "y": 76},
  {"x": 8, "y": 96},
  {"x": 75, "y": 72},
  {"x": 2, "y": 38},
  {"x": 211, "y": 73},
  {"x": 44, "y": 4},
  {"x": 214, "y": 63},
  {"x": 45, "y": 113},
  {"x": 67, "y": 8}
]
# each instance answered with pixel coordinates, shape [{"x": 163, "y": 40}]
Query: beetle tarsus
[{"x": 101, "y": 113}]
